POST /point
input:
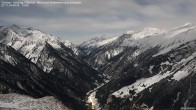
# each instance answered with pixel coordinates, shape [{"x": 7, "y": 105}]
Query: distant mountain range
[{"x": 149, "y": 69}]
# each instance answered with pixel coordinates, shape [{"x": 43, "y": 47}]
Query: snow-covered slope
[
  {"x": 19, "y": 75},
  {"x": 91, "y": 44},
  {"x": 48, "y": 67},
  {"x": 155, "y": 70},
  {"x": 150, "y": 69},
  {"x": 98, "y": 41},
  {"x": 151, "y": 37},
  {"x": 68, "y": 80},
  {"x": 29, "y": 41},
  {"x": 23, "y": 102},
  {"x": 137, "y": 36},
  {"x": 73, "y": 47},
  {"x": 138, "y": 42}
]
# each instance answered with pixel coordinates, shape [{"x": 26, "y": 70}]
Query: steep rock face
[{"x": 152, "y": 73}]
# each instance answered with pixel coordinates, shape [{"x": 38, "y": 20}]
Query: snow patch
[
  {"x": 150, "y": 69},
  {"x": 136, "y": 53},
  {"x": 166, "y": 63},
  {"x": 20, "y": 86},
  {"x": 140, "y": 85},
  {"x": 113, "y": 53},
  {"x": 180, "y": 75}
]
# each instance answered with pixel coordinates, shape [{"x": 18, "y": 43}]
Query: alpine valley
[{"x": 152, "y": 69}]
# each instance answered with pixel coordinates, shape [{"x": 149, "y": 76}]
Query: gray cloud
[{"x": 80, "y": 22}]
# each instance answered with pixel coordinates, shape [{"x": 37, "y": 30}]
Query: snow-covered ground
[
  {"x": 145, "y": 83},
  {"x": 140, "y": 85},
  {"x": 22, "y": 102}
]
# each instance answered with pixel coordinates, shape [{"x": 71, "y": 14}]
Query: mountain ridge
[
  {"x": 121, "y": 72},
  {"x": 143, "y": 66},
  {"x": 50, "y": 67}
]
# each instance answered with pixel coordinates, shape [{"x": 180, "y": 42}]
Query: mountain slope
[
  {"x": 102, "y": 56},
  {"x": 46, "y": 51},
  {"x": 74, "y": 48},
  {"x": 30, "y": 42},
  {"x": 150, "y": 69},
  {"x": 24, "y": 77},
  {"x": 128, "y": 46},
  {"x": 149, "y": 72},
  {"x": 68, "y": 67},
  {"x": 51, "y": 64},
  {"x": 94, "y": 43}
]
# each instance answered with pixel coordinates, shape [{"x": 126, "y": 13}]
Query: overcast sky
[{"x": 98, "y": 17}]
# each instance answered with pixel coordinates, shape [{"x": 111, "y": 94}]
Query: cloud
[{"x": 92, "y": 17}]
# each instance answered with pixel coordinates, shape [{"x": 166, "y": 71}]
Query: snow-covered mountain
[
  {"x": 19, "y": 75},
  {"x": 154, "y": 69},
  {"x": 93, "y": 43},
  {"x": 149, "y": 69},
  {"x": 135, "y": 43},
  {"x": 73, "y": 47},
  {"x": 30, "y": 42},
  {"x": 39, "y": 65}
]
